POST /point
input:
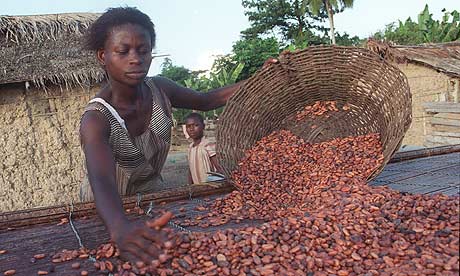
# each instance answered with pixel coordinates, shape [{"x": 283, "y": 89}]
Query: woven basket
[{"x": 376, "y": 92}]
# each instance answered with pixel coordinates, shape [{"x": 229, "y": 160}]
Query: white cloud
[{"x": 206, "y": 58}]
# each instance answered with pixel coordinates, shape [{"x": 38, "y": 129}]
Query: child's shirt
[{"x": 199, "y": 160}]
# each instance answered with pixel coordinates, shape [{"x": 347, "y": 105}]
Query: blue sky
[{"x": 193, "y": 31}]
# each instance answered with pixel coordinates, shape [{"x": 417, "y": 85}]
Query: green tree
[
  {"x": 439, "y": 31},
  {"x": 176, "y": 73},
  {"x": 184, "y": 77},
  {"x": 222, "y": 74},
  {"x": 347, "y": 40},
  {"x": 289, "y": 20},
  {"x": 330, "y": 7},
  {"x": 219, "y": 78},
  {"x": 403, "y": 33},
  {"x": 253, "y": 52},
  {"x": 425, "y": 30},
  {"x": 225, "y": 76}
]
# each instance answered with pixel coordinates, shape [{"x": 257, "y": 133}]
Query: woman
[{"x": 125, "y": 130}]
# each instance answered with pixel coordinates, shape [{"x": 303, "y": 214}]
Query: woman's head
[
  {"x": 100, "y": 30},
  {"x": 123, "y": 39}
]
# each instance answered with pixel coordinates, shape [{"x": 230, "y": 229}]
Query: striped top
[{"x": 138, "y": 160}]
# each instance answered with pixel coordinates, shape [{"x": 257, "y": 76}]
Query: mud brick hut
[
  {"x": 433, "y": 72},
  {"x": 45, "y": 81}
]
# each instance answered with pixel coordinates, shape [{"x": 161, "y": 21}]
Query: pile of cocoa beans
[
  {"x": 319, "y": 217},
  {"x": 283, "y": 175},
  {"x": 318, "y": 109}
]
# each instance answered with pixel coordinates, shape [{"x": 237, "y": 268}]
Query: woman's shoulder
[
  {"x": 159, "y": 92},
  {"x": 96, "y": 113},
  {"x": 93, "y": 124},
  {"x": 160, "y": 82}
]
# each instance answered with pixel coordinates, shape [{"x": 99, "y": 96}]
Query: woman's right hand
[{"x": 138, "y": 242}]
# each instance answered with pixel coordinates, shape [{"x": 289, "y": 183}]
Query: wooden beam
[
  {"x": 445, "y": 122},
  {"x": 414, "y": 154},
  {"x": 447, "y": 134},
  {"x": 442, "y": 140},
  {"x": 22, "y": 218},
  {"x": 442, "y": 107},
  {"x": 445, "y": 128},
  {"x": 451, "y": 116}
]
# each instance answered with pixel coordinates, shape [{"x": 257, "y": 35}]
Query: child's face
[{"x": 194, "y": 128}]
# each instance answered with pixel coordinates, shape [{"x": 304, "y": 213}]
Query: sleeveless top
[{"x": 138, "y": 160}]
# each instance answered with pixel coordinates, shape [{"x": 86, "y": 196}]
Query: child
[{"x": 201, "y": 152}]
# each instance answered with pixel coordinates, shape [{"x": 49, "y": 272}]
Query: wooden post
[{"x": 456, "y": 90}]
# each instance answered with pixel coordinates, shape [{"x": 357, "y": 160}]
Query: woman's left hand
[{"x": 269, "y": 62}]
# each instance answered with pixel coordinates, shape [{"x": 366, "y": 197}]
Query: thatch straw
[
  {"x": 47, "y": 49},
  {"x": 442, "y": 57}
]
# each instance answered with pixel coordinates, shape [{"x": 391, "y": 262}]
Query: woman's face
[{"x": 127, "y": 54}]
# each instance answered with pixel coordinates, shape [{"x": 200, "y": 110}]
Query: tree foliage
[
  {"x": 253, "y": 52},
  {"x": 296, "y": 24},
  {"x": 330, "y": 7},
  {"x": 200, "y": 81},
  {"x": 289, "y": 20},
  {"x": 338, "y": 5},
  {"x": 176, "y": 73},
  {"x": 425, "y": 30}
]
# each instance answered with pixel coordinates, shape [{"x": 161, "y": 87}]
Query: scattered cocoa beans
[
  {"x": 63, "y": 221},
  {"x": 320, "y": 217},
  {"x": 319, "y": 109},
  {"x": 161, "y": 221},
  {"x": 39, "y": 256}
]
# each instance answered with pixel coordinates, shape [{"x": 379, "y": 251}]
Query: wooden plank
[
  {"x": 432, "y": 145},
  {"x": 36, "y": 216},
  {"x": 452, "y": 116},
  {"x": 401, "y": 176},
  {"x": 51, "y": 238},
  {"x": 446, "y": 122},
  {"x": 388, "y": 173},
  {"x": 428, "y": 189},
  {"x": 376, "y": 182},
  {"x": 402, "y": 187},
  {"x": 446, "y": 134},
  {"x": 445, "y": 128},
  {"x": 414, "y": 154},
  {"x": 453, "y": 191},
  {"x": 434, "y": 180},
  {"x": 437, "y": 107},
  {"x": 442, "y": 140},
  {"x": 422, "y": 165}
]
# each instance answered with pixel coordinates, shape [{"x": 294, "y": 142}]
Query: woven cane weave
[{"x": 376, "y": 92}]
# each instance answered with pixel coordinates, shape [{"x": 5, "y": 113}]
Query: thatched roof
[
  {"x": 443, "y": 57},
  {"x": 47, "y": 49}
]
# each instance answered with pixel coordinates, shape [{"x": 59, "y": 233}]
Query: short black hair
[
  {"x": 197, "y": 116},
  {"x": 98, "y": 31}
]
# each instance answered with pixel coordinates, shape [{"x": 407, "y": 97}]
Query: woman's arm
[
  {"x": 133, "y": 239},
  {"x": 94, "y": 134},
  {"x": 182, "y": 97}
]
